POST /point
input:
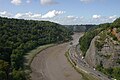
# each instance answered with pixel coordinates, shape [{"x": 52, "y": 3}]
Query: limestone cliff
[{"x": 104, "y": 50}]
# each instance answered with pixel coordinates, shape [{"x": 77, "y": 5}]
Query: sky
[{"x": 65, "y": 12}]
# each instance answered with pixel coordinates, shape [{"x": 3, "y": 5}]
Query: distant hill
[
  {"x": 101, "y": 48},
  {"x": 79, "y": 28},
  {"x": 18, "y": 36}
]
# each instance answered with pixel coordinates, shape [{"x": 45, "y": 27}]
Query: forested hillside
[{"x": 18, "y": 37}]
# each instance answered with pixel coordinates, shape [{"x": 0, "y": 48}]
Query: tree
[
  {"x": 18, "y": 75},
  {"x": 4, "y": 70},
  {"x": 116, "y": 73},
  {"x": 18, "y": 36}
]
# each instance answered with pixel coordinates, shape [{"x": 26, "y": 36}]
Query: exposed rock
[
  {"x": 91, "y": 54},
  {"x": 108, "y": 55}
]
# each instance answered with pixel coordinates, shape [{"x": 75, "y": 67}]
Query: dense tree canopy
[{"x": 17, "y": 37}]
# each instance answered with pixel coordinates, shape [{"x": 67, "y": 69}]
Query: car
[
  {"x": 94, "y": 69},
  {"x": 82, "y": 57}
]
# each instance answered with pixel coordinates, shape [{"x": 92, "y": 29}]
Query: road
[
  {"x": 82, "y": 64},
  {"x": 51, "y": 63}
]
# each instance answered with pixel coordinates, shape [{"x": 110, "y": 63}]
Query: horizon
[
  {"x": 51, "y": 21},
  {"x": 67, "y": 12}
]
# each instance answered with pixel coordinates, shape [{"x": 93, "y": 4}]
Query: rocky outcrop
[
  {"x": 91, "y": 54},
  {"x": 108, "y": 56}
]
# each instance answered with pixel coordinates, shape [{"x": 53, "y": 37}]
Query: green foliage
[
  {"x": 118, "y": 30},
  {"x": 118, "y": 61},
  {"x": 17, "y": 37},
  {"x": 18, "y": 75},
  {"x": 116, "y": 73},
  {"x": 3, "y": 75},
  {"x": 99, "y": 67},
  {"x": 4, "y": 67},
  {"x": 116, "y": 23},
  {"x": 87, "y": 38},
  {"x": 111, "y": 72},
  {"x": 101, "y": 40},
  {"x": 16, "y": 61},
  {"x": 99, "y": 45}
]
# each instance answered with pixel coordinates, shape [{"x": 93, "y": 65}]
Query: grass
[{"x": 85, "y": 76}]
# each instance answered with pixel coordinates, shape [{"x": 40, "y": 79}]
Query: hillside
[
  {"x": 101, "y": 48},
  {"x": 17, "y": 37},
  {"x": 79, "y": 28}
]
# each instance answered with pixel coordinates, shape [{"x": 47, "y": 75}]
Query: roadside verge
[{"x": 85, "y": 75}]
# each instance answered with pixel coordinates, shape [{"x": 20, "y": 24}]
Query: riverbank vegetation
[{"x": 18, "y": 37}]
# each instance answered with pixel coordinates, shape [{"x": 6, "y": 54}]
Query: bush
[{"x": 18, "y": 75}]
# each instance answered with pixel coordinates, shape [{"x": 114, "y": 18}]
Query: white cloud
[
  {"x": 52, "y": 14},
  {"x": 16, "y": 2},
  {"x": 28, "y": 1},
  {"x": 5, "y": 14},
  {"x": 96, "y": 16},
  {"x": 30, "y": 15},
  {"x": 18, "y": 15},
  {"x": 103, "y": 19},
  {"x": 36, "y": 16},
  {"x": 72, "y": 18},
  {"x": 112, "y": 17},
  {"x": 47, "y": 2}
]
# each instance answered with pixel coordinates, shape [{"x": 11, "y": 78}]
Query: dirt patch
[{"x": 51, "y": 63}]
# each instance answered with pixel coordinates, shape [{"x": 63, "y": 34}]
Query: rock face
[
  {"x": 108, "y": 55},
  {"x": 91, "y": 54}
]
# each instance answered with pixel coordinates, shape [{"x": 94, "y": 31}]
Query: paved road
[
  {"x": 51, "y": 64},
  {"x": 82, "y": 64}
]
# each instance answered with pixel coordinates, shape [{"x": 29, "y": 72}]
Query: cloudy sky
[{"x": 62, "y": 11}]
